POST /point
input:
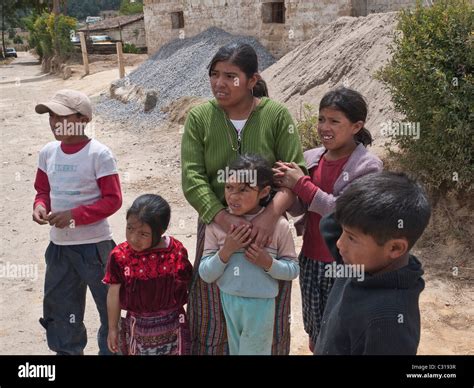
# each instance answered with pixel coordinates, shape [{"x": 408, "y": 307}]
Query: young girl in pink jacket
[{"x": 342, "y": 159}]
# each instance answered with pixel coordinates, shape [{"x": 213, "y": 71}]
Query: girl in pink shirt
[{"x": 332, "y": 167}]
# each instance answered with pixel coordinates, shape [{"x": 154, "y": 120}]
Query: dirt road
[{"x": 148, "y": 161}]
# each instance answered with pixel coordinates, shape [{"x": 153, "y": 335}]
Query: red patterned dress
[{"x": 154, "y": 289}]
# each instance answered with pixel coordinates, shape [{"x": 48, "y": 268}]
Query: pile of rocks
[{"x": 177, "y": 70}]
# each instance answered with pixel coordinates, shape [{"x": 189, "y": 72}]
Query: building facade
[
  {"x": 128, "y": 29},
  {"x": 279, "y": 25}
]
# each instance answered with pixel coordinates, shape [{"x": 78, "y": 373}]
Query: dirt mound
[
  {"x": 178, "y": 110},
  {"x": 346, "y": 52}
]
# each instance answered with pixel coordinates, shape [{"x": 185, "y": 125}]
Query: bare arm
[
  {"x": 282, "y": 201},
  {"x": 113, "y": 313}
]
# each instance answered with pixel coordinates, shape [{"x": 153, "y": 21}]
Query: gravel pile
[{"x": 178, "y": 69}]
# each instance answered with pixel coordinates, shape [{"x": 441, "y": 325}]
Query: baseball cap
[{"x": 66, "y": 102}]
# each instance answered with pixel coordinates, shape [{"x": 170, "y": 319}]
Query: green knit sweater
[{"x": 207, "y": 142}]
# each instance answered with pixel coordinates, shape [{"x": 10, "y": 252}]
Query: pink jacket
[{"x": 360, "y": 163}]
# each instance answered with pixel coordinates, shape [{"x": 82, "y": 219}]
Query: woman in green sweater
[{"x": 241, "y": 119}]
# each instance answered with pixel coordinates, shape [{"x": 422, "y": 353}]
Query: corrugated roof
[{"x": 109, "y": 23}]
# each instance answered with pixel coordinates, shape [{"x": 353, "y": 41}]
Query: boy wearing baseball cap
[{"x": 77, "y": 187}]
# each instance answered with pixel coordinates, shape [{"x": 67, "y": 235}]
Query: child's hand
[
  {"x": 279, "y": 169},
  {"x": 112, "y": 339},
  {"x": 60, "y": 219},
  {"x": 259, "y": 256},
  {"x": 40, "y": 216},
  {"x": 287, "y": 174},
  {"x": 237, "y": 238}
]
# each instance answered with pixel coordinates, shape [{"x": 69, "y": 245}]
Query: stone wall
[
  {"x": 135, "y": 33},
  {"x": 131, "y": 33},
  {"x": 302, "y": 19}
]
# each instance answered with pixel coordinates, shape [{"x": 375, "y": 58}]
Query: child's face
[
  {"x": 335, "y": 130},
  {"x": 357, "y": 247},
  {"x": 67, "y": 128},
  {"x": 139, "y": 235},
  {"x": 229, "y": 84},
  {"x": 244, "y": 199}
]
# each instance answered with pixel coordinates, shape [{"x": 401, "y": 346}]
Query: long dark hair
[
  {"x": 245, "y": 58},
  {"x": 354, "y": 107},
  {"x": 153, "y": 210}
]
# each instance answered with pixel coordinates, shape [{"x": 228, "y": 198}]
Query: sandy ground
[{"x": 148, "y": 161}]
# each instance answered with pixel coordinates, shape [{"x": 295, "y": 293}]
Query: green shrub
[
  {"x": 431, "y": 82},
  {"x": 40, "y": 38},
  {"x": 50, "y": 35},
  {"x": 17, "y": 39},
  {"x": 130, "y": 48},
  {"x": 60, "y": 29},
  {"x": 307, "y": 125}
]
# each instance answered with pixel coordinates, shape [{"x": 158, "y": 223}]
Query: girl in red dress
[{"x": 149, "y": 275}]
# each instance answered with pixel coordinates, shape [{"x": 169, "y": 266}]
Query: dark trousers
[{"x": 70, "y": 269}]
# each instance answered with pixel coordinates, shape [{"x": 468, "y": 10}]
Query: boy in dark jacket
[{"x": 377, "y": 221}]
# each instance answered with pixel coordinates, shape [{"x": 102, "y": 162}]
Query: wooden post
[
  {"x": 120, "y": 60},
  {"x": 120, "y": 30},
  {"x": 85, "y": 59}
]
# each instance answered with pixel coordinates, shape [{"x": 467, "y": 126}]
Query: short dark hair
[
  {"x": 385, "y": 205},
  {"x": 254, "y": 162},
  {"x": 262, "y": 167},
  {"x": 153, "y": 210}
]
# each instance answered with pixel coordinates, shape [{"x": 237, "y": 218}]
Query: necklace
[{"x": 239, "y": 138}]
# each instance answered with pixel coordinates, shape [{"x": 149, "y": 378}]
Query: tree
[
  {"x": 50, "y": 34},
  {"x": 56, "y": 7},
  {"x": 12, "y": 13},
  {"x": 80, "y": 9}
]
